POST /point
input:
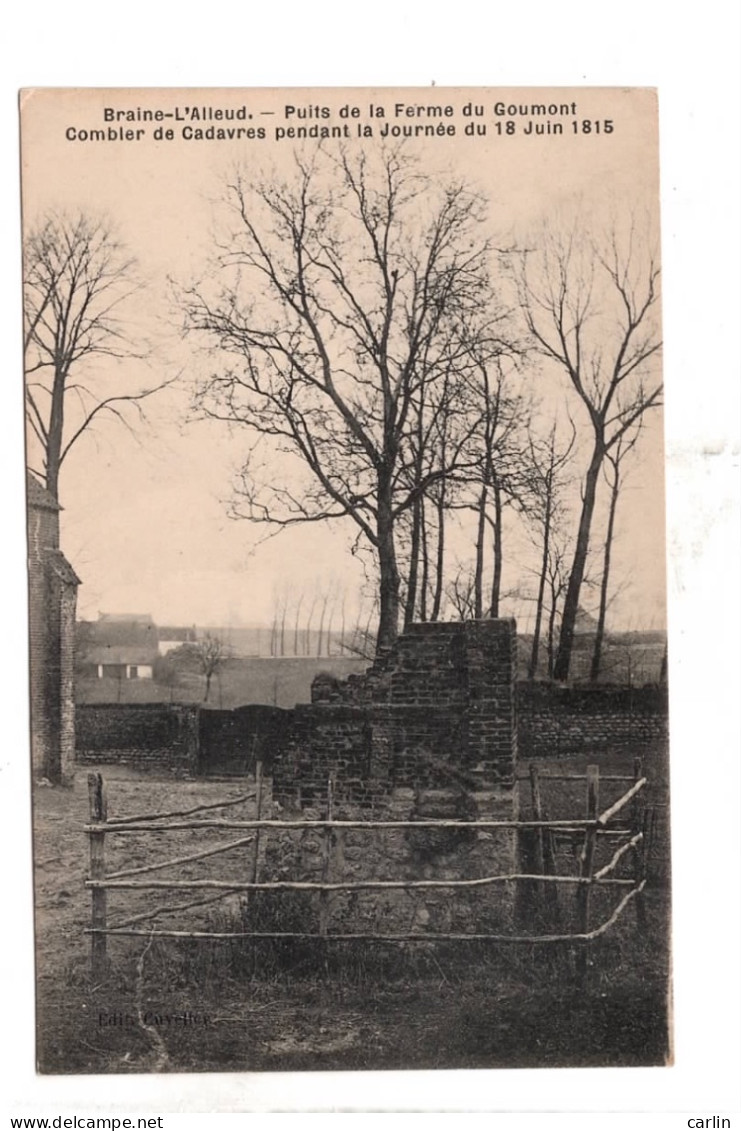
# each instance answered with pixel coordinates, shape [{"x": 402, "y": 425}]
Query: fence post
[
  {"x": 258, "y": 811},
  {"x": 98, "y": 816},
  {"x": 546, "y": 859},
  {"x": 639, "y": 825},
  {"x": 639, "y": 858},
  {"x": 586, "y": 868},
  {"x": 637, "y": 807},
  {"x": 538, "y": 816},
  {"x": 326, "y": 865}
]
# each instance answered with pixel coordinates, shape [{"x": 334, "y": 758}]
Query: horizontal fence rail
[
  {"x": 345, "y": 885},
  {"x": 113, "y": 827},
  {"x": 587, "y": 830},
  {"x": 442, "y": 936}
]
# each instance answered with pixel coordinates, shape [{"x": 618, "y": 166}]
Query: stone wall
[{"x": 363, "y": 854}]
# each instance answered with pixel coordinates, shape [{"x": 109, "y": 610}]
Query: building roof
[
  {"x": 61, "y": 567},
  {"x": 118, "y": 654},
  {"x": 168, "y": 634},
  {"x": 124, "y": 631},
  {"x": 38, "y": 496},
  {"x": 585, "y": 623},
  {"x": 126, "y": 618}
]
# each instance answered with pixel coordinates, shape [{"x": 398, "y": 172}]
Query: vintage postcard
[{"x": 346, "y": 563}]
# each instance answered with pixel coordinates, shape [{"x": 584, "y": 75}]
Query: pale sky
[{"x": 145, "y": 521}]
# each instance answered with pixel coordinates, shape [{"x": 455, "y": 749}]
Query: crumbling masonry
[
  {"x": 437, "y": 710},
  {"x": 427, "y": 733}
]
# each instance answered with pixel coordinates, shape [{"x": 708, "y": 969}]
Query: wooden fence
[{"x": 626, "y": 823}]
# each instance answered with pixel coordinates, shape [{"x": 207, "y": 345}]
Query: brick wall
[
  {"x": 232, "y": 742},
  {"x": 52, "y": 591},
  {"x": 555, "y": 721},
  {"x": 428, "y": 733},
  {"x": 438, "y": 709},
  {"x": 436, "y": 712},
  {"x": 147, "y": 736},
  {"x": 66, "y": 601}
]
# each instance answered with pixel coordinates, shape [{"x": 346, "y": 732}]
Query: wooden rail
[
  {"x": 416, "y": 937},
  {"x": 344, "y": 885},
  {"x": 333, "y": 824},
  {"x": 590, "y": 827}
]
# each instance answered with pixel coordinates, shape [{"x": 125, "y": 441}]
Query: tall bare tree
[
  {"x": 77, "y": 280},
  {"x": 590, "y": 305},
  {"x": 336, "y": 293},
  {"x": 502, "y": 469},
  {"x": 615, "y": 477},
  {"x": 546, "y": 517}
]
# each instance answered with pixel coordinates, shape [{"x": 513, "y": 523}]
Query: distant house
[
  {"x": 121, "y": 646},
  {"x": 585, "y": 624},
  {"x": 169, "y": 638},
  {"x": 52, "y": 601}
]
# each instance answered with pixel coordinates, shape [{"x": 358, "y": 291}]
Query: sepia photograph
[{"x": 347, "y": 579}]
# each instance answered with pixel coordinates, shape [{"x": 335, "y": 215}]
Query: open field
[
  {"x": 279, "y": 681},
  {"x": 282, "y": 681},
  {"x": 190, "y": 1006}
]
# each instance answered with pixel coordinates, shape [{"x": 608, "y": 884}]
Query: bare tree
[
  {"x": 615, "y": 478},
  {"x": 297, "y": 616},
  {"x": 590, "y": 306},
  {"x": 502, "y": 471},
  {"x": 77, "y": 280},
  {"x": 461, "y": 593},
  {"x": 324, "y": 599},
  {"x": 546, "y": 516},
  {"x": 556, "y": 582},
  {"x": 335, "y": 295},
  {"x": 211, "y": 654}
]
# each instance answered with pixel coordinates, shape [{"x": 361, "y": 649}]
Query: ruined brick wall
[
  {"x": 438, "y": 709},
  {"x": 152, "y": 736},
  {"x": 429, "y": 733}
]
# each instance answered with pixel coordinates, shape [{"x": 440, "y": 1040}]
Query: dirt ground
[{"x": 171, "y": 1006}]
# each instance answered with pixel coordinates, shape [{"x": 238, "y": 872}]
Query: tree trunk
[
  {"x": 533, "y": 665},
  {"x": 424, "y": 584},
  {"x": 328, "y": 633},
  {"x": 307, "y": 629},
  {"x": 411, "y": 600},
  {"x": 578, "y": 567},
  {"x": 295, "y": 625},
  {"x": 388, "y": 619},
  {"x": 599, "y": 636},
  {"x": 320, "y": 633},
  {"x": 440, "y": 562},
  {"x": 552, "y": 630},
  {"x": 496, "y": 584},
  {"x": 283, "y": 629},
  {"x": 56, "y": 429},
  {"x": 478, "y": 580}
]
